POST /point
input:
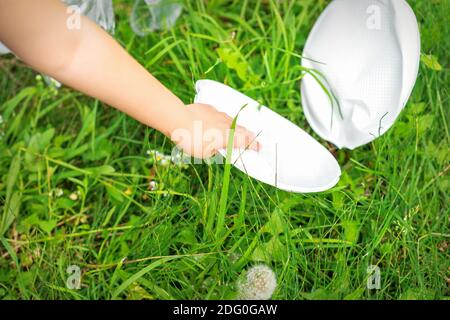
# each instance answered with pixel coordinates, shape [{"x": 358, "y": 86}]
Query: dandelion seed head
[{"x": 259, "y": 284}]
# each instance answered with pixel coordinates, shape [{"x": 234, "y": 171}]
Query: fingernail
[{"x": 256, "y": 146}]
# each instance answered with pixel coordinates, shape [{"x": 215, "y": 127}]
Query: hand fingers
[{"x": 244, "y": 139}]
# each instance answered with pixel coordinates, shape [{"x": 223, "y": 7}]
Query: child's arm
[{"x": 89, "y": 60}]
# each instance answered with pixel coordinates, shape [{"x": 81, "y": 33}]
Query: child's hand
[
  {"x": 204, "y": 131},
  {"x": 91, "y": 61}
]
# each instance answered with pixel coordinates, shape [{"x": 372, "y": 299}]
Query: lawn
[{"x": 84, "y": 185}]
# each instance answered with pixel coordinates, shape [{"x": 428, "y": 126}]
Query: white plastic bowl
[{"x": 289, "y": 158}]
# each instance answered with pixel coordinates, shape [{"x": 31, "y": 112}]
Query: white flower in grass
[
  {"x": 180, "y": 158},
  {"x": 155, "y": 155},
  {"x": 75, "y": 195},
  {"x": 153, "y": 185},
  {"x": 56, "y": 193},
  {"x": 2, "y": 133},
  {"x": 166, "y": 160},
  {"x": 259, "y": 284},
  {"x": 59, "y": 192}
]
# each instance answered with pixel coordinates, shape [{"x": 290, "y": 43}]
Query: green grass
[{"x": 390, "y": 208}]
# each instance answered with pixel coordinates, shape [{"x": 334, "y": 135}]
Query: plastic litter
[
  {"x": 151, "y": 15},
  {"x": 369, "y": 53},
  {"x": 99, "y": 11},
  {"x": 289, "y": 158},
  {"x": 3, "y": 49}
]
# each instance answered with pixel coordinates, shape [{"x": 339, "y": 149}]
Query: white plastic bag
[
  {"x": 369, "y": 53},
  {"x": 99, "y": 11},
  {"x": 3, "y": 49},
  {"x": 151, "y": 15}
]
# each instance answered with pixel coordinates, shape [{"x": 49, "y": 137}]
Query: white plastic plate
[
  {"x": 369, "y": 53},
  {"x": 289, "y": 158}
]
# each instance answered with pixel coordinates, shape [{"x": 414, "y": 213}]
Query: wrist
[{"x": 178, "y": 119}]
